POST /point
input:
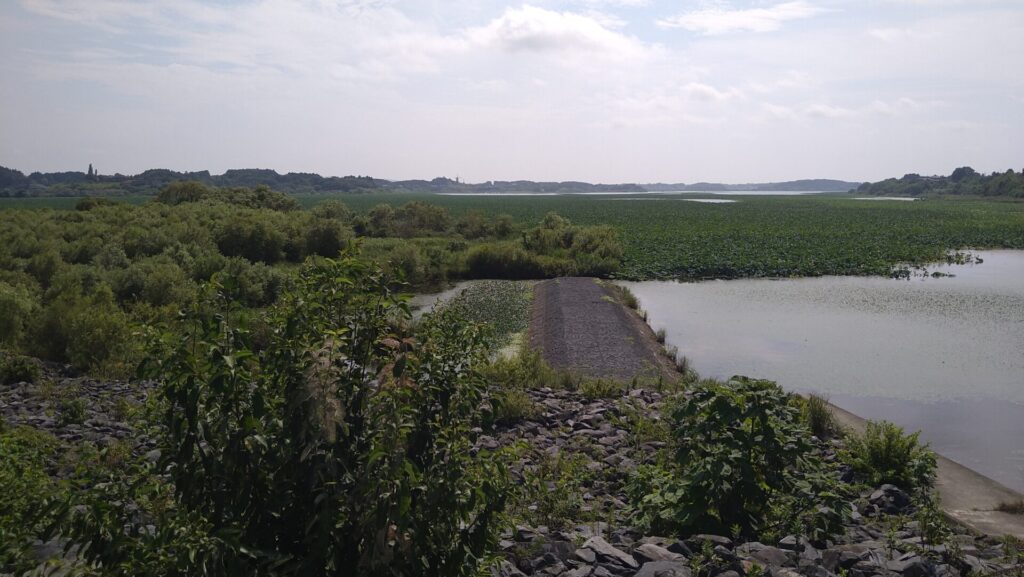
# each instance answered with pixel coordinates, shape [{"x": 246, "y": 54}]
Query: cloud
[
  {"x": 706, "y": 93},
  {"x": 898, "y": 34},
  {"x": 828, "y": 111},
  {"x": 712, "y": 21},
  {"x": 819, "y": 110},
  {"x": 537, "y": 30}
]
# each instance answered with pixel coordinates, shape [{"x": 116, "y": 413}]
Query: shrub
[
  {"x": 90, "y": 332},
  {"x": 334, "y": 210},
  {"x": 26, "y": 486},
  {"x": 70, "y": 411},
  {"x": 17, "y": 308},
  {"x": 512, "y": 406},
  {"x": 406, "y": 262},
  {"x": 552, "y": 490},
  {"x": 503, "y": 261},
  {"x": 525, "y": 370},
  {"x": 183, "y": 191},
  {"x": 341, "y": 448},
  {"x": 884, "y": 454},
  {"x": 817, "y": 415},
  {"x": 326, "y": 237},
  {"x": 18, "y": 370},
  {"x": 743, "y": 464}
]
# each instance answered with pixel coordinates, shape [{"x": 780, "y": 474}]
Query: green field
[{"x": 665, "y": 237}]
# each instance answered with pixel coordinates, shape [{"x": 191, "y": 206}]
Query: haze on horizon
[{"x": 595, "y": 90}]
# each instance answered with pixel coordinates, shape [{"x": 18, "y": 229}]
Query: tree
[{"x": 963, "y": 173}]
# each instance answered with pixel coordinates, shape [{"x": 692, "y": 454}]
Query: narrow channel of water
[{"x": 940, "y": 355}]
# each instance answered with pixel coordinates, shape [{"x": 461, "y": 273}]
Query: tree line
[{"x": 964, "y": 181}]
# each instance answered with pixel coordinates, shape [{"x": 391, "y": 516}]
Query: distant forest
[
  {"x": 963, "y": 181},
  {"x": 14, "y": 183}
]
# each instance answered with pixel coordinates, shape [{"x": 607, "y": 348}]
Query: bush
[
  {"x": 17, "y": 308},
  {"x": 512, "y": 406},
  {"x": 341, "y": 448},
  {"x": 743, "y": 463},
  {"x": 884, "y": 454},
  {"x": 817, "y": 413},
  {"x": 525, "y": 370},
  {"x": 503, "y": 261},
  {"x": 551, "y": 493},
  {"x": 325, "y": 237},
  {"x": 18, "y": 370},
  {"x": 26, "y": 486},
  {"x": 70, "y": 411}
]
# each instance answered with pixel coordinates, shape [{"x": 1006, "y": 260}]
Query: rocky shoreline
[
  {"x": 578, "y": 453},
  {"x": 603, "y": 545}
]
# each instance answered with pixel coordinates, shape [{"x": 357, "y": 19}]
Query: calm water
[{"x": 940, "y": 355}]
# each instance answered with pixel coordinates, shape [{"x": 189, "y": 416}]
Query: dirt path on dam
[{"x": 579, "y": 326}]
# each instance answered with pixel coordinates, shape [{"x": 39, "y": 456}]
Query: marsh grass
[{"x": 817, "y": 415}]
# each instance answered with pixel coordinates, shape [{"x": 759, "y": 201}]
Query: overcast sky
[{"x": 596, "y": 90}]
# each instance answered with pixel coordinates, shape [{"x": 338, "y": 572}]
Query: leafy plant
[
  {"x": 884, "y": 454},
  {"x": 344, "y": 447},
  {"x": 552, "y": 490},
  {"x": 742, "y": 460},
  {"x": 513, "y": 406},
  {"x": 23, "y": 454},
  {"x": 70, "y": 411},
  {"x": 14, "y": 369}
]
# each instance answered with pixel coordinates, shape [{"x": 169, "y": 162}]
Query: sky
[{"x": 593, "y": 90}]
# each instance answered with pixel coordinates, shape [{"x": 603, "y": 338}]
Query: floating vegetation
[
  {"x": 503, "y": 307},
  {"x": 766, "y": 237}
]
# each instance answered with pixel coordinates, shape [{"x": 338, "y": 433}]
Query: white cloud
[
  {"x": 532, "y": 29},
  {"x": 720, "y": 20},
  {"x": 706, "y": 93},
  {"x": 828, "y": 111}
]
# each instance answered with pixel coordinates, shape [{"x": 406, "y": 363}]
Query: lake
[{"x": 941, "y": 355}]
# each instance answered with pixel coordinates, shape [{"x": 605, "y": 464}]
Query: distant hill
[
  {"x": 809, "y": 185},
  {"x": 91, "y": 183},
  {"x": 963, "y": 181},
  {"x": 15, "y": 183}
]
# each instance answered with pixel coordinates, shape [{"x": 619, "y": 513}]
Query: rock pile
[
  {"x": 77, "y": 409},
  {"x": 598, "y": 431}
]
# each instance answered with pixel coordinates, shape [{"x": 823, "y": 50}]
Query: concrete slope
[{"x": 968, "y": 497}]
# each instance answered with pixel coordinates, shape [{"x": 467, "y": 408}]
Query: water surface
[{"x": 943, "y": 355}]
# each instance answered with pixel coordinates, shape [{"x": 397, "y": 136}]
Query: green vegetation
[
  {"x": 15, "y": 369},
  {"x": 26, "y": 486},
  {"x": 76, "y": 285},
  {"x": 884, "y": 454},
  {"x": 551, "y": 494},
  {"x": 665, "y": 238},
  {"x": 963, "y": 181},
  {"x": 817, "y": 415},
  {"x": 502, "y": 307},
  {"x": 342, "y": 444},
  {"x": 742, "y": 463}
]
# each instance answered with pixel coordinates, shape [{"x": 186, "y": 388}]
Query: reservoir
[{"x": 943, "y": 355}]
